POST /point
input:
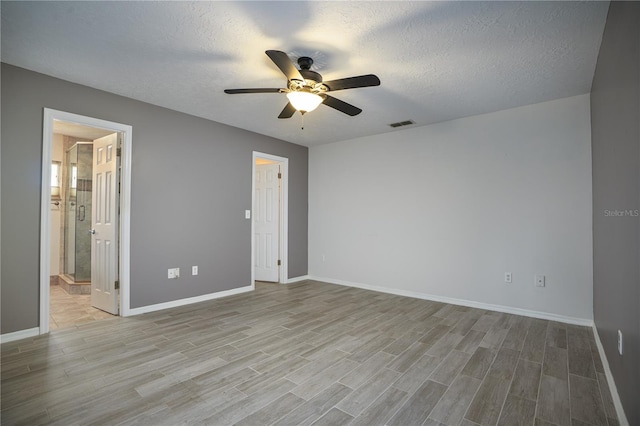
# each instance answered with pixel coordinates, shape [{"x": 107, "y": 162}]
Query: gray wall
[
  {"x": 191, "y": 182},
  {"x": 615, "y": 117}
]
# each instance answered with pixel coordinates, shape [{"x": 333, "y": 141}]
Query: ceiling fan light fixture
[
  {"x": 306, "y": 89},
  {"x": 304, "y": 101}
]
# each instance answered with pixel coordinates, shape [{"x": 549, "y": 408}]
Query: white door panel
[
  {"x": 267, "y": 222},
  {"x": 104, "y": 215}
]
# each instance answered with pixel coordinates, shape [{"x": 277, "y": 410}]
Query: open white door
[
  {"x": 104, "y": 219},
  {"x": 266, "y": 222}
]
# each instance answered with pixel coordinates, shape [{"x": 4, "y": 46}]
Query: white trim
[
  {"x": 617, "y": 403},
  {"x": 18, "y": 335},
  {"x": 297, "y": 279},
  {"x": 283, "y": 272},
  {"x": 125, "y": 223},
  {"x": 462, "y": 302},
  {"x": 45, "y": 222},
  {"x": 190, "y": 300}
]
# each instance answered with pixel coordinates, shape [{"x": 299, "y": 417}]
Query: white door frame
[
  {"x": 51, "y": 115},
  {"x": 283, "y": 269}
]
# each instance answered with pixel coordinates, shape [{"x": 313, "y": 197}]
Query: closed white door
[
  {"x": 104, "y": 219},
  {"x": 267, "y": 222}
]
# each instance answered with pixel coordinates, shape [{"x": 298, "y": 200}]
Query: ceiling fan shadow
[
  {"x": 181, "y": 55},
  {"x": 264, "y": 14}
]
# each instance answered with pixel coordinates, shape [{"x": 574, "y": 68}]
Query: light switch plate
[{"x": 247, "y": 214}]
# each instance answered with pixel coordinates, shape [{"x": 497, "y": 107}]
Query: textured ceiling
[{"x": 437, "y": 60}]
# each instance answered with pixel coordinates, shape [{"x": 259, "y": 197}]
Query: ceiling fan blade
[
  {"x": 236, "y": 91},
  {"x": 341, "y": 106},
  {"x": 353, "y": 82},
  {"x": 288, "y": 111},
  {"x": 283, "y": 62}
]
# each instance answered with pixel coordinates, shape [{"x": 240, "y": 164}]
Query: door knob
[{"x": 92, "y": 231}]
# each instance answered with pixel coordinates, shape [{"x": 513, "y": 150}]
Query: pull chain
[{"x": 302, "y": 121}]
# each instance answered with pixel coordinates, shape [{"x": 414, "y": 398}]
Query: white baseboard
[
  {"x": 622, "y": 418},
  {"x": 17, "y": 335},
  {"x": 189, "y": 300},
  {"x": 462, "y": 302},
  {"x": 296, "y": 279}
]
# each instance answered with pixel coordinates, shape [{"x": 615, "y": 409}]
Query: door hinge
[
  {"x": 118, "y": 152},
  {"x": 116, "y": 285},
  {"x": 279, "y": 175},
  {"x": 279, "y": 263}
]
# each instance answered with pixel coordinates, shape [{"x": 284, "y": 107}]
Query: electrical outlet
[
  {"x": 539, "y": 280},
  {"x": 194, "y": 270},
  {"x": 620, "y": 347},
  {"x": 507, "y": 277},
  {"x": 173, "y": 273}
]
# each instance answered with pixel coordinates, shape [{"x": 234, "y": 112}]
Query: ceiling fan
[{"x": 305, "y": 88}]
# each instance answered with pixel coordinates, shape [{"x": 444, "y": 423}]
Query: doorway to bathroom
[{"x": 85, "y": 225}]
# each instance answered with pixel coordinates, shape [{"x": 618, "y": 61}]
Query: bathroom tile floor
[{"x": 68, "y": 310}]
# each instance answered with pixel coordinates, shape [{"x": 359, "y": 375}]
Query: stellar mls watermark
[{"x": 622, "y": 213}]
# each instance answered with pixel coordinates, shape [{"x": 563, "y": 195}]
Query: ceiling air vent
[{"x": 402, "y": 123}]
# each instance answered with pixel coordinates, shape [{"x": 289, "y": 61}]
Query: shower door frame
[{"x": 51, "y": 115}]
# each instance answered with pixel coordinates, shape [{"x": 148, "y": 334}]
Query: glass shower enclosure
[{"x": 77, "y": 239}]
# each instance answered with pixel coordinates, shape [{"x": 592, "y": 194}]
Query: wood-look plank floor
[{"x": 309, "y": 353}]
